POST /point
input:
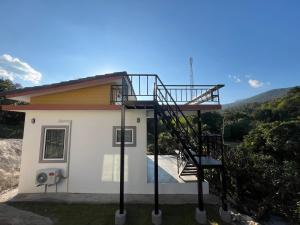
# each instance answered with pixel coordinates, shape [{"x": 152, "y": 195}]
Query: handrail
[
  {"x": 177, "y": 120},
  {"x": 178, "y": 109},
  {"x": 191, "y": 94},
  {"x": 166, "y": 102},
  {"x": 191, "y": 156},
  {"x": 141, "y": 87},
  {"x": 197, "y": 163}
]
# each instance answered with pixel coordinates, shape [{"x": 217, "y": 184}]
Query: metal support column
[
  {"x": 156, "y": 210},
  {"x": 122, "y": 151},
  {"x": 200, "y": 172}
]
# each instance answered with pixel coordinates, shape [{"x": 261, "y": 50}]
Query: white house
[{"x": 90, "y": 136}]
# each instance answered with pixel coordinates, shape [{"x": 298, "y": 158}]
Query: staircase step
[
  {"x": 190, "y": 169},
  {"x": 190, "y": 165},
  {"x": 187, "y": 174}
]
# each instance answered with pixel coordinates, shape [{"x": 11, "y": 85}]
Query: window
[
  {"x": 54, "y": 144},
  {"x": 130, "y": 136}
]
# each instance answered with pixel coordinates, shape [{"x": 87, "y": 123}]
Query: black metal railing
[
  {"x": 188, "y": 94},
  {"x": 186, "y": 134},
  {"x": 181, "y": 161},
  {"x": 212, "y": 146},
  {"x": 141, "y": 87},
  {"x": 166, "y": 99},
  {"x": 138, "y": 87}
]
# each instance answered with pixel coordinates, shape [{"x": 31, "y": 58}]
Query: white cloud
[
  {"x": 12, "y": 68},
  {"x": 255, "y": 83},
  {"x": 236, "y": 79}
]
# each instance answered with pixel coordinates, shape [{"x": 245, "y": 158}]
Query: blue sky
[{"x": 250, "y": 46}]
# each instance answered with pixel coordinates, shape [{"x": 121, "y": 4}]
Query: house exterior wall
[
  {"x": 99, "y": 94},
  {"x": 93, "y": 162}
]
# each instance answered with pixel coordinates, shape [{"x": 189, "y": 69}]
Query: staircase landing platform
[
  {"x": 149, "y": 104},
  {"x": 207, "y": 161}
]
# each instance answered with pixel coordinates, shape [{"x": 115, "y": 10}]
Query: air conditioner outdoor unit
[{"x": 49, "y": 176}]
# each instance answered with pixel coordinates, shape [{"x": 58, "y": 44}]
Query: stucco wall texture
[{"x": 93, "y": 162}]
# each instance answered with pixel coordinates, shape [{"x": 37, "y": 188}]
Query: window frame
[
  {"x": 42, "y": 158},
  {"x": 127, "y": 144}
]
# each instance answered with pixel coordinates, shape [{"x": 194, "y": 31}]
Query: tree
[
  {"x": 11, "y": 123},
  {"x": 264, "y": 170}
]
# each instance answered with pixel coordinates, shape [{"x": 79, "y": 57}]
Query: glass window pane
[
  {"x": 118, "y": 135},
  {"x": 128, "y": 136},
  {"x": 54, "y": 144}
]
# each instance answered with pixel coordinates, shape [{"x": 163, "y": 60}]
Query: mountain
[{"x": 260, "y": 98}]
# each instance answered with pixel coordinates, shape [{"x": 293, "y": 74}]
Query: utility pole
[{"x": 191, "y": 77}]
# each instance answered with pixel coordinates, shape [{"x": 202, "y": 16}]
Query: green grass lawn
[{"x": 138, "y": 214}]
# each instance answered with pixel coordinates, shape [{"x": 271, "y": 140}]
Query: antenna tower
[{"x": 191, "y": 76}]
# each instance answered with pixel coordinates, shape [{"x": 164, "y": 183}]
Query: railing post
[
  {"x": 200, "y": 172},
  {"x": 208, "y": 145}
]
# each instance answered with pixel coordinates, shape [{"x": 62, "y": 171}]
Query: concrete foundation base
[
  {"x": 120, "y": 219},
  {"x": 200, "y": 216},
  {"x": 225, "y": 215},
  {"x": 157, "y": 218}
]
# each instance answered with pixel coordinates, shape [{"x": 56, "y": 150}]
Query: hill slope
[{"x": 260, "y": 98}]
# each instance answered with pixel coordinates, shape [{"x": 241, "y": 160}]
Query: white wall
[{"x": 94, "y": 163}]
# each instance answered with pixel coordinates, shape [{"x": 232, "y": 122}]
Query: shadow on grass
[{"x": 138, "y": 214}]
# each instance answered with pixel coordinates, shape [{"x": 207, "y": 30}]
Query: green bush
[
  {"x": 264, "y": 171},
  {"x": 11, "y": 123}
]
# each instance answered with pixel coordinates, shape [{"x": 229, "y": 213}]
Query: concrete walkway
[
  {"x": 12, "y": 216},
  {"x": 112, "y": 198}
]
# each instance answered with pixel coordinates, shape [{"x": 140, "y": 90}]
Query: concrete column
[
  {"x": 200, "y": 216},
  {"x": 120, "y": 218},
  {"x": 157, "y": 217}
]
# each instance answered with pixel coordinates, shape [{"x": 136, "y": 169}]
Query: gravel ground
[
  {"x": 10, "y": 157},
  {"x": 8, "y": 195}
]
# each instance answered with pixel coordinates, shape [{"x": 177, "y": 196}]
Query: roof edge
[{"x": 64, "y": 84}]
